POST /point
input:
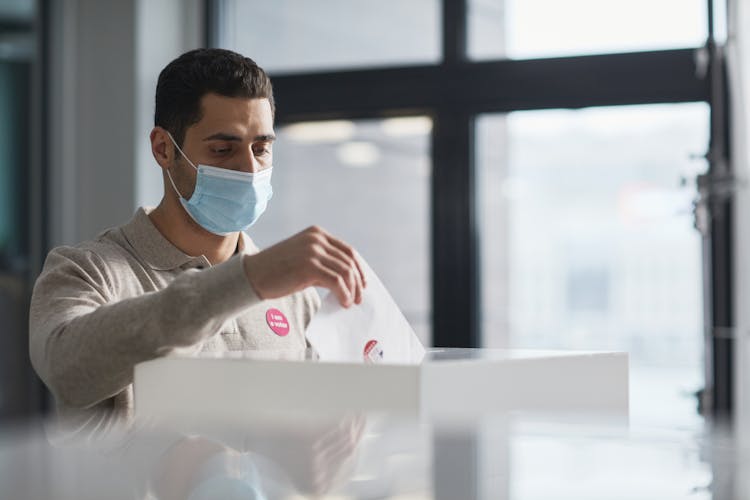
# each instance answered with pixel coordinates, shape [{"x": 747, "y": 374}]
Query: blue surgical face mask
[{"x": 226, "y": 201}]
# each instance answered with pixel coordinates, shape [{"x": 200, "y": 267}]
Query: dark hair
[{"x": 184, "y": 81}]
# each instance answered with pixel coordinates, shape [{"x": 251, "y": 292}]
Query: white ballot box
[{"x": 448, "y": 382}]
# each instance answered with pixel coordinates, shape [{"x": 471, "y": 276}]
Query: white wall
[{"x": 105, "y": 59}]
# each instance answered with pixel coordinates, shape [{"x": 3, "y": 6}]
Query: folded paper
[{"x": 374, "y": 331}]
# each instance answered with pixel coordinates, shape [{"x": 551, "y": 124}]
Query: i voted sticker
[
  {"x": 277, "y": 322},
  {"x": 373, "y": 353}
]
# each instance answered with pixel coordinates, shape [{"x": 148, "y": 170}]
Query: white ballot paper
[{"x": 374, "y": 331}]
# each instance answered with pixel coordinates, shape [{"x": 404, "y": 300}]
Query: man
[{"x": 183, "y": 276}]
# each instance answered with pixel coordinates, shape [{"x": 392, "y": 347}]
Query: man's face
[{"x": 235, "y": 133}]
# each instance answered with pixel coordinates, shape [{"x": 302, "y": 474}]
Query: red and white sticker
[
  {"x": 373, "y": 353},
  {"x": 277, "y": 322}
]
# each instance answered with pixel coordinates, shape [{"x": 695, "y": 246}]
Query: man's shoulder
[{"x": 108, "y": 247}]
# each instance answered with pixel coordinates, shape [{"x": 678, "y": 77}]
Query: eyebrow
[{"x": 221, "y": 136}]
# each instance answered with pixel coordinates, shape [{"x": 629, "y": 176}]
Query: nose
[{"x": 250, "y": 162}]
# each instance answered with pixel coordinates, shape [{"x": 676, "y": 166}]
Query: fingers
[
  {"x": 330, "y": 276},
  {"x": 350, "y": 253},
  {"x": 335, "y": 255},
  {"x": 351, "y": 273},
  {"x": 309, "y": 258}
]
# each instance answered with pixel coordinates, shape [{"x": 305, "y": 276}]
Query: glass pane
[
  {"x": 368, "y": 183},
  {"x": 588, "y": 241},
  {"x": 298, "y": 35},
  {"x": 522, "y": 29}
]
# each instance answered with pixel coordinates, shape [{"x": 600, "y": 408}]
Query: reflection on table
[{"x": 376, "y": 456}]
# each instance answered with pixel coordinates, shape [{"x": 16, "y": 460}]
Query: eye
[
  {"x": 262, "y": 150},
  {"x": 221, "y": 150}
]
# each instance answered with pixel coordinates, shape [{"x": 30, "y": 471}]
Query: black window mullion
[
  {"x": 455, "y": 290},
  {"x": 455, "y": 285},
  {"x": 454, "y": 31},
  {"x": 720, "y": 244},
  {"x": 212, "y": 21},
  {"x": 495, "y": 86}
]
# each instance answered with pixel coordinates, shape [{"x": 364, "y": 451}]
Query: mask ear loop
[{"x": 184, "y": 156}]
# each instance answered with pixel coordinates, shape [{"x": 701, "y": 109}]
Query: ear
[{"x": 162, "y": 147}]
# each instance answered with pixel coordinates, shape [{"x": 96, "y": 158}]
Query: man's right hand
[{"x": 310, "y": 258}]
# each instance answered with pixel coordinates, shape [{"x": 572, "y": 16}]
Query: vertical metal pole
[
  {"x": 455, "y": 299},
  {"x": 718, "y": 247},
  {"x": 212, "y": 15},
  {"x": 454, "y": 234},
  {"x": 454, "y": 23}
]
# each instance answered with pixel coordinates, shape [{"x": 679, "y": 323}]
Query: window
[
  {"x": 297, "y": 35},
  {"x": 525, "y": 29},
  {"x": 588, "y": 241}
]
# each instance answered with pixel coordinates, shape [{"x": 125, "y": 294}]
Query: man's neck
[{"x": 183, "y": 232}]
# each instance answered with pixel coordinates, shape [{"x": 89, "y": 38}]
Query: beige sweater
[{"x": 103, "y": 306}]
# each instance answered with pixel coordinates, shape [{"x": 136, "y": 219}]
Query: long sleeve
[{"x": 84, "y": 342}]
